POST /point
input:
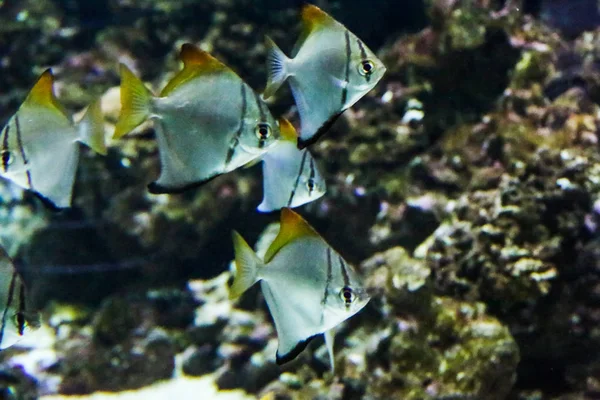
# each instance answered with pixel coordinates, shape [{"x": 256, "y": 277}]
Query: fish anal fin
[
  {"x": 304, "y": 143},
  {"x": 293, "y": 226},
  {"x": 196, "y": 62},
  {"x": 294, "y": 352},
  {"x": 42, "y": 93}
]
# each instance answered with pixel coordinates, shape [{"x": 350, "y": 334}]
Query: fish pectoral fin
[
  {"x": 135, "y": 103},
  {"x": 329, "y": 339},
  {"x": 293, "y": 226},
  {"x": 247, "y": 263},
  {"x": 91, "y": 128},
  {"x": 277, "y": 68}
]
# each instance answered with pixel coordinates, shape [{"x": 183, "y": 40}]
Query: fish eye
[
  {"x": 310, "y": 185},
  {"x": 7, "y": 158},
  {"x": 366, "y": 67},
  {"x": 347, "y": 295},
  {"x": 263, "y": 131}
]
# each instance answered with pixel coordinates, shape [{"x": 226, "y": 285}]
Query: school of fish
[{"x": 308, "y": 287}]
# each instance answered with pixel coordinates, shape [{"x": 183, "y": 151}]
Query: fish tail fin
[
  {"x": 247, "y": 263},
  {"x": 91, "y": 128},
  {"x": 277, "y": 67},
  {"x": 135, "y": 103}
]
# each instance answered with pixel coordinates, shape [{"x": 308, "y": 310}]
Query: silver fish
[
  {"x": 290, "y": 176},
  {"x": 38, "y": 145},
  {"x": 17, "y": 317},
  {"x": 309, "y": 288},
  {"x": 330, "y": 71},
  {"x": 208, "y": 121}
]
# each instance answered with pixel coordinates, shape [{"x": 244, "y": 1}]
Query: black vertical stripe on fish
[
  {"x": 347, "y": 77},
  {"x": 344, "y": 272},
  {"x": 263, "y": 118},
  {"x": 9, "y": 300},
  {"x": 329, "y": 278},
  {"x": 289, "y": 203},
  {"x": 363, "y": 56},
  {"x": 21, "y": 312},
  {"x": 236, "y": 139},
  {"x": 5, "y": 152},
  {"x": 311, "y": 178},
  {"x": 22, "y": 150},
  {"x": 259, "y": 103}
]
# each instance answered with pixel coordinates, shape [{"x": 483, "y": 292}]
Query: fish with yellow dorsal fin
[
  {"x": 38, "y": 145},
  {"x": 208, "y": 121},
  {"x": 309, "y": 288},
  {"x": 291, "y": 177},
  {"x": 17, "y": 317},
  {"x": 330, "y": 71}
]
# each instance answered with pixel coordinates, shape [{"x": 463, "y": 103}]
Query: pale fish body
[
  {"x": 38, "y": 145},
  {"x": 291, "y": 177},
  {"x": 309, "y": 288},
  {"x": 331, "y": 70},
  {"x": 16, "y": 315},
  {"x": 208, "y": 121}
]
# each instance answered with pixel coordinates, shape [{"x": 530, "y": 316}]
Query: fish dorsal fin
[
  {"x": 288, "y": 132},
  {"x": 292, "y": 227},
  {"x": 196, "y": 62},
  {"x": 42, "y": 93},
  {"x": 313, "y": 19}
]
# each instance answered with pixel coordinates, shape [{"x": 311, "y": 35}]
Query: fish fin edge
[
  {"x": 277, "y": 68},
  {"x": 247, "y": 263},
  {"x": 304, "y": 143},
  {"x": 294, "y": 352},
  {"x": 135, "y": 103}
]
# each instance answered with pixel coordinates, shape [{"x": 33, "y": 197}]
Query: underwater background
[{"x": 465, "y": 188}]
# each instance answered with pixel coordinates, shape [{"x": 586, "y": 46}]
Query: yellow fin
[
  {"x": 313, "y": 17},
  {"x": 288, "y": 132},
  {"x": 293, "y": 226},
  {"x": 42, "y": 93},
  {"x": 246, "y": 265},
  {"x": 195, "y": 62},
  {"x": 135, "y": 103}
]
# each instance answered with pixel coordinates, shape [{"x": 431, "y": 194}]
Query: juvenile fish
[
  {"x": 17, "y": 317},
  {"x": 308, "y": 286},
  {"x": 208, "y": 121},
  {"x": 38, "y": 145},
  {"x": 290, "y": 176},
  {"x": 330, "y": 71}
]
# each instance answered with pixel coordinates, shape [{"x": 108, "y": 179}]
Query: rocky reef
[{"x": 465, "y": 188}]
